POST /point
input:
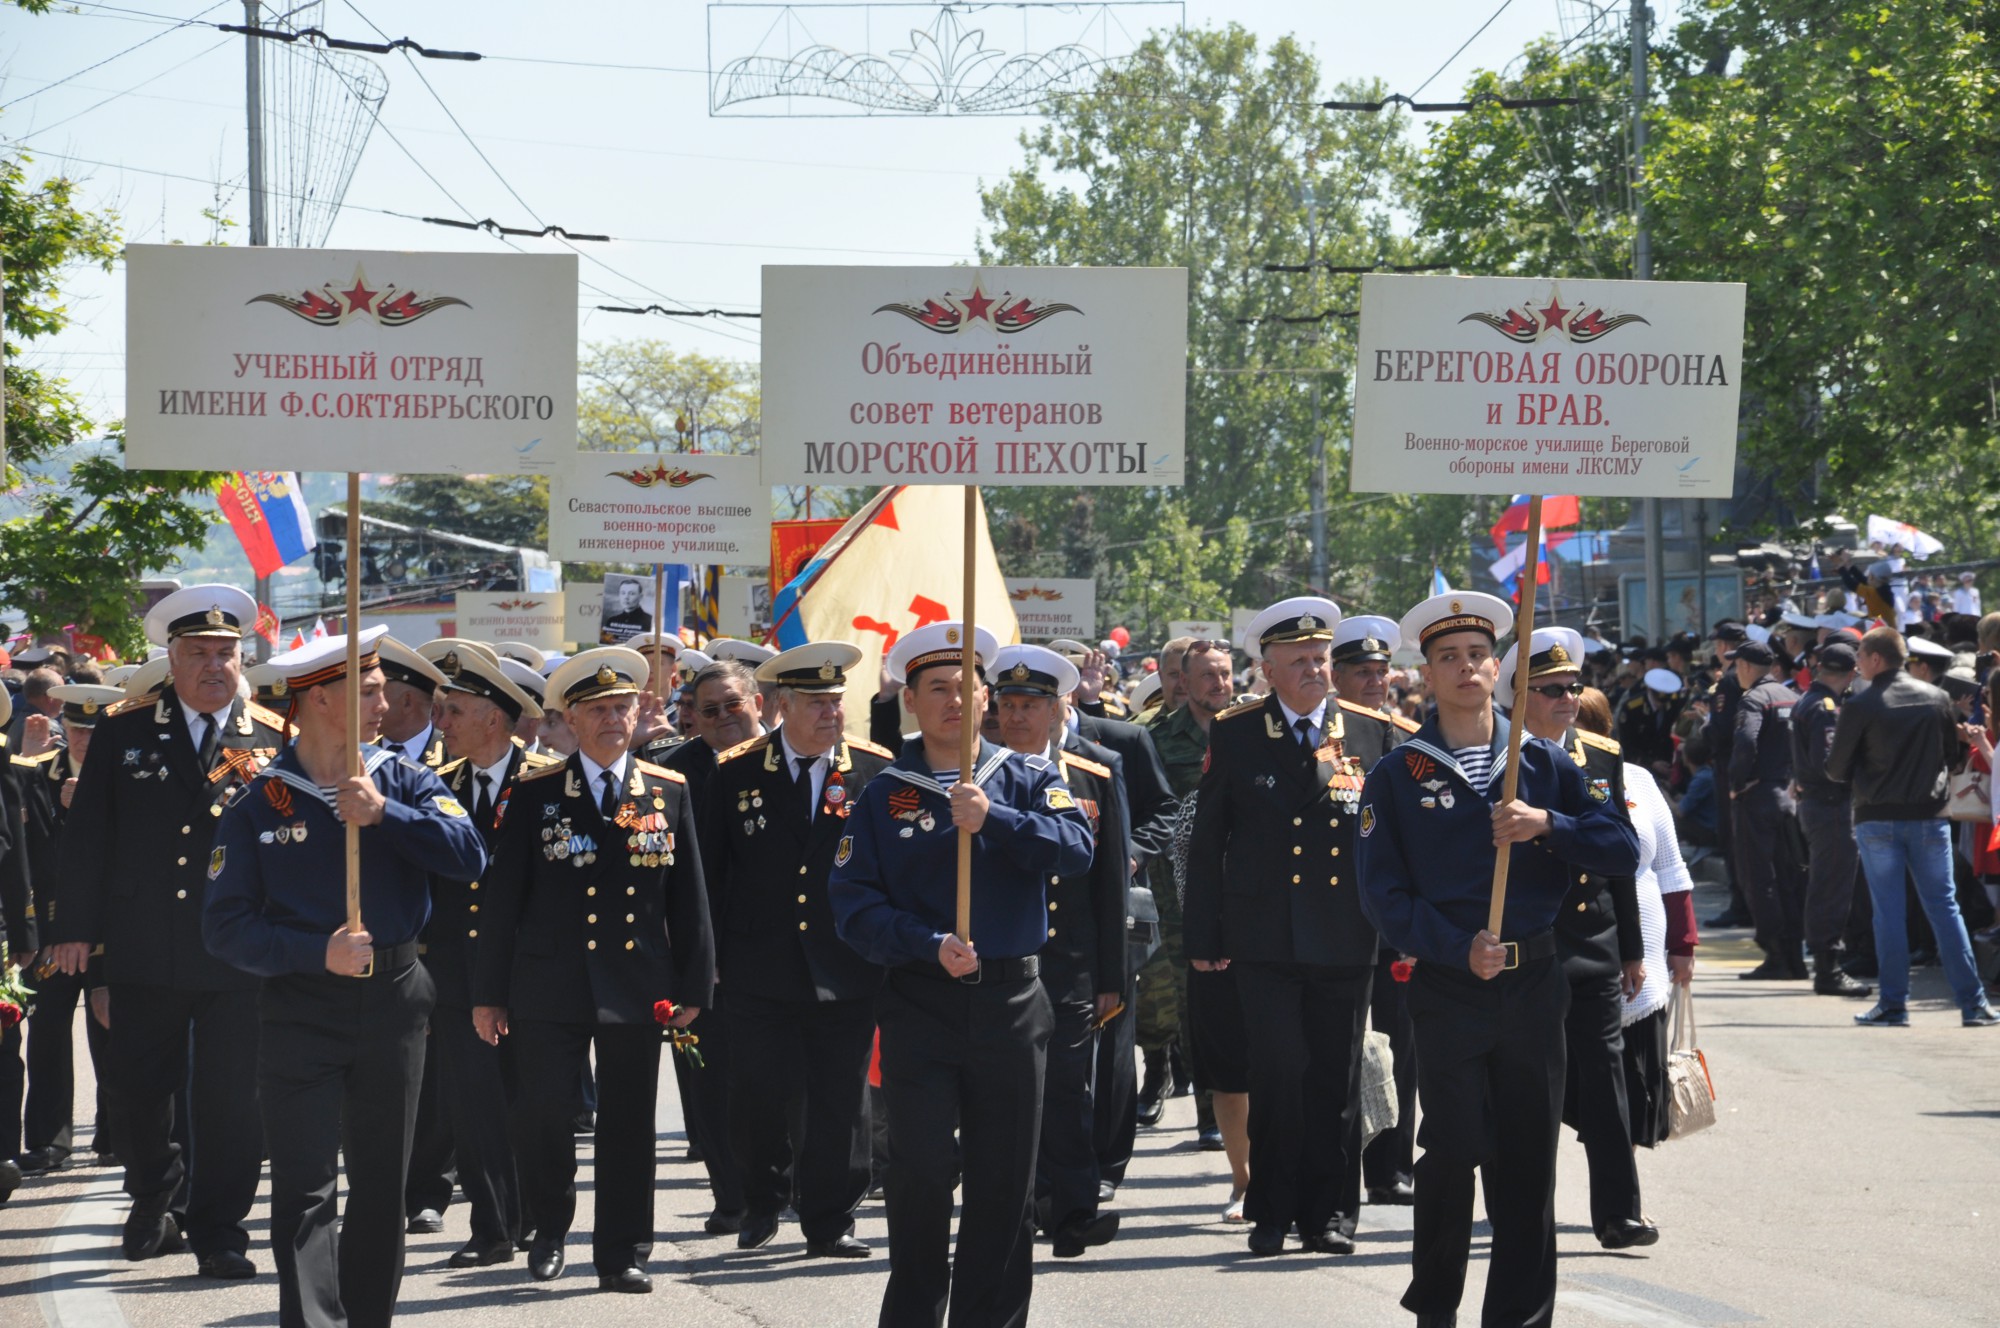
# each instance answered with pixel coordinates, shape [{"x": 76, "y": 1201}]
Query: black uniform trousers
[
  {"x": 1490, "y": 1063},
  {"x": 339, "y": 1062},
  {"x": 1066, "y": 1160},
  {"x": 1768, "y": 869},
  {"x": 706, "y": 1106},
  {"x": 1391, "y": 1155},
  {"x": 1304, "y": 1025},
  {"x": 782, "y": 1052},
  {"x": 163, "y": 1040},
  {"x": 550, "y": 1058},
  {"x": 49, "y": 1121},
  {"x": 476, "y": 1088},
  {"x": 1833, "y": 865},
  {"x": 1594, "y": 1100},
  {"x": 1114, "y": 1117},
  {"x": 968, "y": 1056},
  {"x": 13, "y": 1085},
  {"x": 433, "y": 1163}
]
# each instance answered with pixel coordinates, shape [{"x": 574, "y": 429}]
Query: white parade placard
[
  {"x": 343, "y": 359},
  {"x": 1528, "y": 385},
  {"x": 629, "y": 507},
  {"x": 512, "y": 615},
  {"x": 1200, "y": 629},
  {"x": 959, "y": 375},
  {"x": 1048, "y": 607}
]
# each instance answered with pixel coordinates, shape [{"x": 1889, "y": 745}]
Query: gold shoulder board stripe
[
  {"x": 756, "y": 744},
  {"x": 661, "y": 772},
  {"x": 1084, "y": 763}
]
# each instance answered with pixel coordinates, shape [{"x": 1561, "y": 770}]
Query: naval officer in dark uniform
[
  {"x": 1272, "y": 896},
  {"x": 1597, "y": 938},
  {"x": 1488, "y": 1008},
  {"x": 597, "y": 913},
  {"x": 1083, "y": 964},
  {"x": 134, "y": 863},
  {"x": 480, "y": 704},
  {"x": 1826, "y": 815},
  {"x": 342, "y": 1013},
  {"x": 964, "y": 1022},
  {"x": 801, "y": 1010}
]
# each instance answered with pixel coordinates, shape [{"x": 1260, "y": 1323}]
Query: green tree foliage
[
  {"x": 645, "y": 396},
  {"x": 1200, "y": 153},
  {"x": 506, "y": 509}
]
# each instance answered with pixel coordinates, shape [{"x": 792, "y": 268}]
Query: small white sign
[
  {"x": 1621, "y": 389},
  {"x": 625, "y": 507},
  {"x": 1201, "y": 629},
  {"x": 347, "y": 359},
  {"x": 1049, "y": 607},
  {"x": 511, "y": 615},
  {"x": 581, "y": 614}
]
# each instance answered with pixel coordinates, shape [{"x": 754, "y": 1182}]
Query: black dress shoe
[
  {"x": 425, "y": 1222},
  {"x": 1624, "y": 1233},
  {"x": 631, "y": 1281},
  {"x": 719, "y": 1223},
  {"x": 758, "y": 1230},
  {"x": 1448, "y": 1319},
  {"x": 694, "y": 1153},
  {"x": 1081, "y": 1233},
  {"x": 1106, "y": 1191},
  {"x": 1401, "y": 1192},
  {"x": 41, "y": 1161},
  {"x": 1209, "y": 1139},
  {"x": 1266, "y": 1241},
  {"x": 10, "y": 1178},
  {"x": 1728, "y": 918},
  {"x": 1773, "y": 969},
  {"x": 1330, "y": 1240},
  {"x": 585, "y": 1123},
  {"x": 226, "y": 1266},
  {"x": 841, "y": 1247},
  {"x": 149, "y": 1232},
  {"x": 481, "y": 1254},
  {"x": 545, "y": 1260}
]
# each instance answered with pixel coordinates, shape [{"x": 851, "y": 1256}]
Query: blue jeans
[{"x": 1924, "y": 848}]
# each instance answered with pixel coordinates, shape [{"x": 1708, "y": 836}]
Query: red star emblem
[
  {"x": 360, "y": 297},
  {"x": 1554, "y": 315},
  {"x": 976, "y": 304}
]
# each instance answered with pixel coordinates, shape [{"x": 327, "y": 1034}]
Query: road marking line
[{"x": 66, "y": 1300}]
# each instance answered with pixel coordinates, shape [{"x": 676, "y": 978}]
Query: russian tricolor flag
[{"x": 268, "y": 513}]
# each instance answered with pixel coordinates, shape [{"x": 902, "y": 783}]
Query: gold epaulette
[
  {"x": 756, "y": 744},
  {"x": 1243, "y": 708},
  {"x": 660, "y": 772},
  {"x": 539, "y": 760},
  {"x": 1404, "y": 722},
  {"x": 32, "y": 761},
  {"x": 448, "y": 767},
  {"x": 541, "y": 773},
  {"x": 263, "y": 716},
  {"x": 1589, "y": 739},
  {"x": 1086, "y": 764},
  {"x": 134, "y": 702},
  {"x": 863, "y": 745},
  {"x": 1367, "y": 713}
]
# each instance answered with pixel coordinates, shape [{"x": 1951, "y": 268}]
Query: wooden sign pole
[
  {"x": 659, "y": 627},
  {"x": 353, "y": 831},
  {"x": 1524, "y": 635},
  {"x": 969, "y": 715}
]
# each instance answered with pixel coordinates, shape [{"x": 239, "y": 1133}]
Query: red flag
[
  {"x": 298, "y": 640},
  {"x": 268, "y": 625},
  {"x": 1558, "y": 510}
]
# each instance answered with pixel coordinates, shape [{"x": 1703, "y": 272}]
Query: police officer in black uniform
[
  {"x": 1598, "y": 940},
  {"x": 800, "y": 1008},
  {"x": 1083, "y": 964},
  {"x": 964, "y": 1021},
  {"x": 343, "y": 1010},
  {"x": 135, "y": 853},
  {"x": 597, "y": 915},
  {"x": 480, "y": 704},
  {"x": 1272, "y": 894},
  {"x": 1826, "y": 816},
  {"x": 1762, "y": 811}
]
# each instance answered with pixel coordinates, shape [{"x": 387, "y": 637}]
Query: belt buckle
[
  {"x": 1513, "y": 949},
  {"x": 368, "y": 969},
  {"x": 972, "y": 979}
]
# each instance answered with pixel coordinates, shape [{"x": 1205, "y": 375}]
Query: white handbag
[{"x": 1690, "y": 1089}]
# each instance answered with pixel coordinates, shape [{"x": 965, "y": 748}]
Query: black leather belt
[
  {"x": 989, "y": 970},
  {"x": 388, "y": 961},
  {"x": 1539, "y": 946}
]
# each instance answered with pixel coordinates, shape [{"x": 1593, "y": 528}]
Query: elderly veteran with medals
[
  {"x": 964, "y": 1022},
  {"x": 135, "y": 851},
  {"x": 480, "y": 706},
  {"x": 597, "y": 927},
  {"x": 342, "y": 1013},
  {"x": 1272, "y": 896},
  {"x": 800, "y": 1012},
  {"x": 1598, "y": 940},
  {"x": 1488, "y": 1008}
]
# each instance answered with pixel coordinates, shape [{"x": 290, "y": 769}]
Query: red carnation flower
[
  {"x": 1401, "y": 969},
  {"x": 664, "y": 1011},
  {"x": 10, "y": 1014}
]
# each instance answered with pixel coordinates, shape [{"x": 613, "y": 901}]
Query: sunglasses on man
[{"x": 1556, "y": 691}]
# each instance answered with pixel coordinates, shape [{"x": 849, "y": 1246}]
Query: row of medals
[{"x": 561, "y": 841}]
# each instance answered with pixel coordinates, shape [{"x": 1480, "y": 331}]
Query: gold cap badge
[
  {"x": 827, "y": 673},
  {"x": 606, "y": 675},
  {"x": 1455, "y": 606},
  {"x": 215, "y": 617},
  {"x": 1307, "y": 622},
  {"x": 1557, "y": 655},
  {"x": 951, "y": 636},
  {"x": 1020, "y": 673},
  {"x": 449, "y": 665}
]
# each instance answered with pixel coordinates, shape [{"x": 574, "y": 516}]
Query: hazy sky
[{"x": 699, "y": 201}]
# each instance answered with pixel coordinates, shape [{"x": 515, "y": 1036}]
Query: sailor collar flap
[
  {"x": 983, "y": 770},
  {"x": 372, "y": 760},
  {"x": 1427, "y": 746}
]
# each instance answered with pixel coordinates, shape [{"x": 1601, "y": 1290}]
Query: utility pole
[
  {"x": 1642, "y": 268},
  {"x": 253, "y": 96},
  {"x": 1319, "y": 559}
]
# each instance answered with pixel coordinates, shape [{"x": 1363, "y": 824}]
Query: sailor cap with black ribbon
[
  {"x": 1929, "y": 649},
  {"x": 1365, "y": 636},
  {"x": 1032, "y": 671},
  {"x": 474, "y": 674},
  {"x": 1300, "y": 618},
  {"x": 84, "y": 703},
  {"x": 525, "y": 678},
  {"x": 1458, "y": 611},
  {"x": 1553, "y": 650},
  {"x": 743, "y": 652},
  {"x": 412, "y": 668},
  {"x": 325, "y": 660},
  {"x": 519, "y": 650},
  {"x": 205, "y": 610},
  {"x": 266, "y": 682},
  {"x": 599, "y": 672},
  {"x": 820, "y": 666},
  {"x": 939, "y": 643}
]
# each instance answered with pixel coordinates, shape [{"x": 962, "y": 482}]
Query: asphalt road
[{"x": 1848, "y": 1181}]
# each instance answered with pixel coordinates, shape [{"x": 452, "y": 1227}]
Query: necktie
[
  {"x": 483, "y": 808},
  {"x": 1308, "y": 735},
  {"x": 608, "y": 804},
  {"x": 802, "y": 778},
  {"x": 205, "y": 740}
]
